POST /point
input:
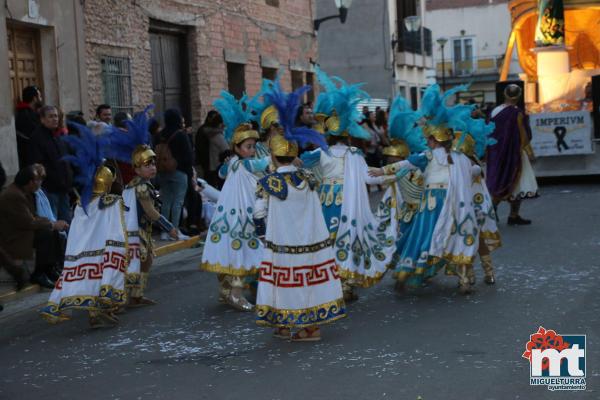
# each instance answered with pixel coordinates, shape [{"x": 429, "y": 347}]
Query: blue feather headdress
[
  {"x": 259, "y": 103},
  {"x": 340, "y": 98},
  {"x": 344, "y": 102},
  {"x": 88, "y": 157},
  {"x": 480, "y": 132},
  {"x": 323, "y": 105},
  {"x": 287, "y": 105},
  {"x": 402, "y": 125},
  {"x": 233, "y": 113},
  {"x": 122, "y": 143}
]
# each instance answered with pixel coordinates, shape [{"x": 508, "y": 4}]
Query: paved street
[{"x": 433, "y": 343}]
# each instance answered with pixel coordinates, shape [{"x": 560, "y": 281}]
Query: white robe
[
  {"x": 299, "y": 284},
  {"x": 133, "y": 277},
  {"x": 93, "y": 277},
  {"x": 232, "y": 246}
]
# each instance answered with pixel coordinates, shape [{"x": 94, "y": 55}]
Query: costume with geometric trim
[
  {"x": 232, "y": 249},
  {"x": 96, "y": 261},
  {"x": 299, "y": 284}
]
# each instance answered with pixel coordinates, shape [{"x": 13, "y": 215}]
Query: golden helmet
[
  {"x": 243, "y": 132},
  {"x": 467, "y": 147},
  {"x": 320, "y": 125},
  {"x": 141, "y": 155},
  {"x": 397, "y": 148},
  {"x": 441, "y": 133},
  {"x": 333, "y": 125},
  {"x": 268, "y": 117},
  {"x": 280, "y": 147},
  {"x": 103, "y": 180}
]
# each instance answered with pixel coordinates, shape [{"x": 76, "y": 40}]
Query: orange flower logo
[{"x": 544, "y": 339}]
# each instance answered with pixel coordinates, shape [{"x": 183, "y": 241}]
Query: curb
[{"x": 165, "y": 249}]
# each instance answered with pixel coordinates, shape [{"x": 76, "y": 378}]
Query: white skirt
[{"x": 527, "y": 186}]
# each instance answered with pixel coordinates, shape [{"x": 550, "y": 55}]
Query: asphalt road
[{"x": 432, "y": 343}]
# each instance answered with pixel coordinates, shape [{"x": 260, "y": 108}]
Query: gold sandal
[
  {"x": 282, "y": 333},
  {"x": 308, "y": 334}
]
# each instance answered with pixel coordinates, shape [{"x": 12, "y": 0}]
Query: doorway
[
  {"x": 170, "y": 72},
  {"x": 24, "y": 60}
]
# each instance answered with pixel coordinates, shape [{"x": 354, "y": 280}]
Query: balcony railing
[
  {"x": 474, "y": 66},
  {"x": 410, "y": 42}
]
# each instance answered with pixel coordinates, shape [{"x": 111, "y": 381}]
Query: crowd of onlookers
[{"x": 36, "y": 209}]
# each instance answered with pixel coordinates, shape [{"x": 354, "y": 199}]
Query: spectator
[
  {"x": 193, "y": 204},
  {"x": 27, "y": 120},
  {"x": 21, "y": 229},
  {"x": 211, "y": 132},
  {"x": 381, "y": 125},
  {"x": 47, "y": 149},
  {"x": 5, "y": 260},
  {"x": 154, "y": 129},
  {"x": 375, "y": 146},
  {"x": 75, "y": 117},
  {"x": 61, "y": 130},
  {"x": 104, "y": 114},
  {"x": 174, "y": 184},
  {"x": 124, "y": 171},
  {"x": 224, "y": 157},
  {"x": 305, "y": 116},
  {"x": 52, "y": 244},
  {"x": 120, "y": 118}
]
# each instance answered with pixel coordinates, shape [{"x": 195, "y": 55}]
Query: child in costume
[
  {"x": 445, "y": 228},
  {"x": 232, "y": 249},
  {"x": 141, "y": 199},
  {"x": 96, "y": 259},
  {"x": 299, "y": 284},
  {"x": 363, "y": 251},
  {"x": 472, "y": 139},
  {"x": 400, "y": 201}
]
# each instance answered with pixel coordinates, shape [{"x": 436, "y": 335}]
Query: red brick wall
[
  {"x": 441, "y": 4},
  {"x": 251, "y": 28}
]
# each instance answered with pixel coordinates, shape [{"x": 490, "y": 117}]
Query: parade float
[{"x": 558, "y": 46}]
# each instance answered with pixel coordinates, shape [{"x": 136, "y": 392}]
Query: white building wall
[{"x": 489, "y": 26}]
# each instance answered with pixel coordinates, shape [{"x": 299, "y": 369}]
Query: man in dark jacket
[
  {"x": 20, "y": 228},
  {"x": 26, "y": 121},
  {"x": 48, "y": 150}
]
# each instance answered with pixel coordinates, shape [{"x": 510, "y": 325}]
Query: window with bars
[{"x": 116, "y": 83}]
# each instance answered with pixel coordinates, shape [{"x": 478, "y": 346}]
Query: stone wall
[{"x": 252, "y": 32}]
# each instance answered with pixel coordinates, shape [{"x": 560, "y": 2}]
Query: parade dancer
[
  {"x": 299, "y": 286},
  {"x": 400, "y": 201},
  {"x": 445, "y": 229},
  {"x": 363, "y": 252},
  {"x": 96, "y": 256},
  {"x": 141, "y": 199},
  {"x": 472, "y": 140},
  {"x": 232, "y": 250},
  {"x": 510, "y": 176}
]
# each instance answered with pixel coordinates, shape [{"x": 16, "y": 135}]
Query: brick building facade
[{"x": 181, "y": 53}]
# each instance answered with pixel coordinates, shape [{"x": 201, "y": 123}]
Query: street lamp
[
  {"x": 412, "y": 23},
  {"x": 342, "y": 6},
  {"x": 442, "y": 42}
]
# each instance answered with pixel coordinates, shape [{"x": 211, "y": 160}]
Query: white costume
[
  {"x": 232, "y": 247},
  {"x": 363, "y": 248},
  {"x": 299, "y": 284},
  {"x": 93, "y": 277}
]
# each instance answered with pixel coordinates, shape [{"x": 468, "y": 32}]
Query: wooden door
[
  {"x": 169, "y": 73},
  {"x": 23, "y": 60}
]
